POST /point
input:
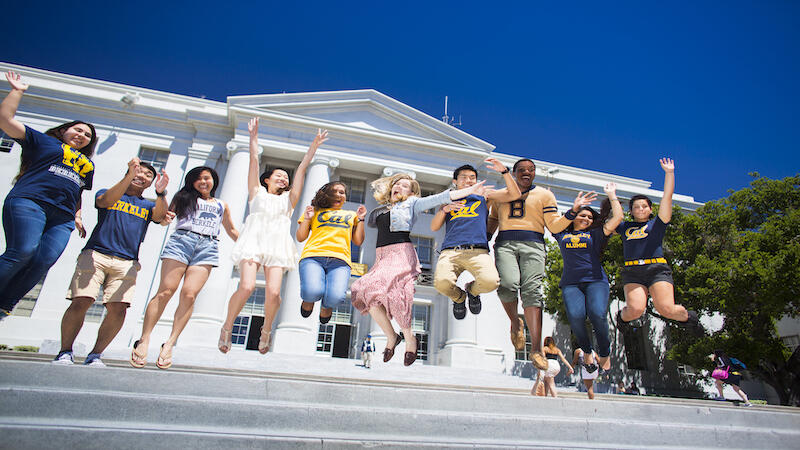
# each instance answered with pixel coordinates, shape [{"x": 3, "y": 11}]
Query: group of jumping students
[{"x": 44, "y": 207}]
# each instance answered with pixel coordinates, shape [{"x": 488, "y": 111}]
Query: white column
[
  {"x": 211, "y": 304},
  {"x": 293, "y": 333},
  {"x": 461, "y": 348}
]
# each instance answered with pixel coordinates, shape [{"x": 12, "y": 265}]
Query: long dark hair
[
  {"x": 598, "y": 219},
  {"x": 324, "y": 197},
  {"x": 640, "y": 197},
  {"x": 58, "y": 133},
  {"x": 184, "y": 202}
]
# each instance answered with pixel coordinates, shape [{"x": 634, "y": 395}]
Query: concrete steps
[{"x": 47, "y": 406}]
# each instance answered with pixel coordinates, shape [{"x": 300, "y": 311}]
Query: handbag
[{"x": 720, "y": 374}]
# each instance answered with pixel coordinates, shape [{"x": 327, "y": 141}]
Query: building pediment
[{"x": 360, "y": 110}]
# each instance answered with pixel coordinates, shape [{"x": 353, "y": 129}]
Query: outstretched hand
[
  {"x": 583, "y": 200},
  {"x": 320, "y": 138},
  {"x": 494, "y": 164},
  {"x": 252, "y": 127},
  {"x": 15, "y": 81},
  {"x": 169, "y": 216},
  {"x": 450, "y": 207},
  {"x": 480, "y": 189},
  {"x": 162, "y": 180},
  {"x": 610, "y": 189},
  {"x": 361, "y": 212},
  {"x": 309, "y": 212},
  {"x": 667, "y": 164},
  {"x": 133, "y": 166}
]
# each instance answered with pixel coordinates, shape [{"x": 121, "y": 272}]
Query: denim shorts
[{"x": 192, "y": 249}]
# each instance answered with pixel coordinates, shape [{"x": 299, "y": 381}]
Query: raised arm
[
  {"x": 358, "y": 229},
  {"x": 300, "y": 173},
  {"x": 616, "y": 209},
  {"x": 110, "y": 197},
  {"x": 227, "y": 223},
  {"x": 253, "y": 183},
  {"x": 478, "y": 188},
  {"x": 304, "y": 229},
  {"x": 665, "y": 208},
  {"x": 160, "y": 210},
  {"x": 555, "y": 222},
  {"x": 8, "y": 109},
  {"x": 512, "y": 191}
]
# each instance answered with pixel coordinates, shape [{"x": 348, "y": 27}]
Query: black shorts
[
  {"x": 647, "y": 275},
  {"x": 734, "y": 378}
]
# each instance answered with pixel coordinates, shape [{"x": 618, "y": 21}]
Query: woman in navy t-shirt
[
  {"x": 584, "y": 284},
  {"x": 43, "y": 207},
  {"x": 646, "y": 272}
]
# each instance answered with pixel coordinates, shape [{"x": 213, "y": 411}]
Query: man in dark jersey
[
  {"x": 465, "y": 246},
  {"x": 110, "y": 259}
]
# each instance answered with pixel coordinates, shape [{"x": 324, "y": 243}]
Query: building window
[
  {"x": 156, "y": 158},
  {"x": 424, "y": 248},
  {"x": 5, "y": 143},
  {"x": 255, "y": 304},
  {"x": 685, "y": 369},
  {"x": 356, "y": 189},
  {"x": 420, "y": 318},
  {"x": 343, "y": 313},
  {"x": 241, "y": 327},
  {"x": 522, "y": 355},
  {"x": 792, "y": 342},
  {"x": 325, "y": 338},
  {"x": 25, "y": 306}
]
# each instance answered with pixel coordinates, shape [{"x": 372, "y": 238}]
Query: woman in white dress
[
  {"x": 553, "y": 354},
  {"x": 266, "y": 239}
]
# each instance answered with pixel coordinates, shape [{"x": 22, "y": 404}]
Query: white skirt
[
  {"x": 266, "y": 236},
  {"x": 553, "y": 367}
]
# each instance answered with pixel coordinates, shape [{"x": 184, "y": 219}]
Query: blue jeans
[
  {"x": 588, "y": 299},
  {"x": 36, "y": 235},
  {"x": 324, "y": 278}
]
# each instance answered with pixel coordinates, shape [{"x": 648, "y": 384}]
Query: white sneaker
[
  {"x": 64, "y": 359},
  {"x": 94, "y": 360}
]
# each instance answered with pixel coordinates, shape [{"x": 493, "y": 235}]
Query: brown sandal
[{"x": 264, "y": 341}]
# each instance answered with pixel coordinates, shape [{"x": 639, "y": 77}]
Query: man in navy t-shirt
[
  {"x": 465, "y": 246},
  {"x": 110, "y": 259}
]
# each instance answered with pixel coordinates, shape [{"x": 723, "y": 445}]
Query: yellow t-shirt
[{"x": 331, "y": 233}]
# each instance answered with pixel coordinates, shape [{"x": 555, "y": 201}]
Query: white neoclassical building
[{"x": 371, "y": 135}]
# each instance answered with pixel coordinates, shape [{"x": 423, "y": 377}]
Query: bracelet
[
  {"x": 162, "y": 193},
  {"x": 505, "y": 171},
  {"x": 570, "y": 214}
]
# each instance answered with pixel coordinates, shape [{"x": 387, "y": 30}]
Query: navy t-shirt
[
  {"x": 642, "y": 240},
  {"x": 582, "y": 254},
  {"x": 468, "y": 225},
  {"x": 121, "y": 228},
  {"x": 56, "y": 172}
]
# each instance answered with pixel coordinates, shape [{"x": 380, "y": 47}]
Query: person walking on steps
[
  {"x": 727, "y": 371},
  {"x": 367, "y": 349}
]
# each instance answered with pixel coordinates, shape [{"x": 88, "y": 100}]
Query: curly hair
[
  {"x": 324, "y": 197},
  {"x": 383, "y": 187}
]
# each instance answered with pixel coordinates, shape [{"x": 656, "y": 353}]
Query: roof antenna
[{"x": 447, "y": 119}]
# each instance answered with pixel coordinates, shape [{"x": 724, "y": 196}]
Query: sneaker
[
  {"x": 474, "y": 300},
  {"x": 64, "y": 358},
  {"x": 94, "y": 360},
  {"x": 623, "y": 325},
  {"x": 719, "y": 398},
  {"x": 539, "y": 361},
  {"x": 692, "y": 324},
  {"x": 747, "y": 404},
  {"x": 459, "y": 310}
]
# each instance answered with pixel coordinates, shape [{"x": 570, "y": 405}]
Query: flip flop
[
  {"x": 167, "y": 361},
  {"x": 138, "y": 356}
]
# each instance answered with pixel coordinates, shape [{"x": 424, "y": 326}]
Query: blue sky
[{"x": 604, "y": 86}]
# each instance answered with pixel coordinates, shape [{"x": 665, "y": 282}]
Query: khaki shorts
[{"x": 117, "y": 277}]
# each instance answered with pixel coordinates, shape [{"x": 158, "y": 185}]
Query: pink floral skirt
[{"x": 390, "y": 282}]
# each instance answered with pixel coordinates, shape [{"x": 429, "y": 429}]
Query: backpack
[{"x": 737, "y": 363}]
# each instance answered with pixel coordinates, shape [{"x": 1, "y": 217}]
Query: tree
[{"x": 740, "y": 257}]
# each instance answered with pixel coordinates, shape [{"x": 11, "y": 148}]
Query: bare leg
[
  {"x": 411, "y": 340},
  {"x": 635, "y": 301},
  {"x": 193, "y": 281},
  {"x": 72, "y": 322},
  {"x": 111, "y": 325},
  {"x": 533, "y": 318},
  {"x": 247, "y": 284},
  {"x": 551, "y": 383},
  {"x": 171, "y": 273},
  {"x": 536, "y": 384},
  {"x": 379, "y": 315},
  {"x": 664, "y": 300},
  {"x": 718, "y": 383},
  {"x": 741, "y": 393},
  {"x": 589, "y": 388}
]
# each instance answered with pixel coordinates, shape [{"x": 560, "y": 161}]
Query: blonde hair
[{"x": 382, "y": 187}]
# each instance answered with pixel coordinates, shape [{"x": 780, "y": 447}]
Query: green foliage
[
  {"x": 26, "y": 348},
  {"x": 3, "y": 347}
]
